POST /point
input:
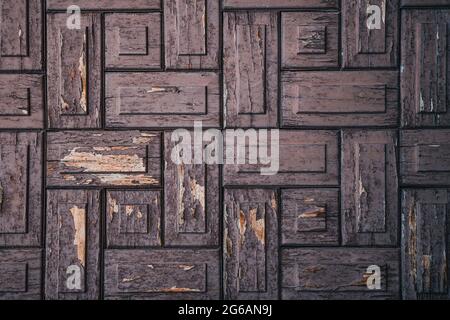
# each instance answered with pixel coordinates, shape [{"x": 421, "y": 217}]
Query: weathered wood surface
[{"x": 93, "y": 205}]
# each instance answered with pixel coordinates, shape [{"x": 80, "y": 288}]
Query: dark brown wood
[
  {"x": 74, "y": 77},
  {"x": 162, "y": 274},
  {"x": 250, "y": 69},
  {"x": 310, "y": 217},
  {"x": 133, "y": 218},
  {"x": 73, "y": 242},
  {"x": 250, "y": 244},
  {"x": 103, "y": 158},
  {"x": 352, "y": 98},
  {"x": 425, "y": 71},
  {"x": 104, "y": 4},
  {"x": 191, "y": 34},
  {"x": 20, "y": 189},
  {"x": 309, "y": 39},
  {"x": 133, "y": 40},
  {"x": 368, "y": 48},
  {"x": 157, "y": 99},
  {"x": 281, "y": 4},
  {"x": 20, "y": 274},
  {"x": 425, "y": 157},
  {"x": 21, "y": 101},
  {"x": 191, "y": 200},
  {"x": 21, "y": 35},
  {"x": 369, "y": 188},
  {"x": 339, "y": 273},
  {"x": 425, "y": 242},
  {"x": 305, "y": 158},
  {"x": 419, "y": 3}
]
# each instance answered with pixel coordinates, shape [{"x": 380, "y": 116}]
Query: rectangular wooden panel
[
  {"x": 20, "y": 189},
  {"x": 352, "y": 98},
  {"x": 104, "y": 4},
  {"x": 250, "y": 244},
  {"x": 424, "y": 157},
  {"x": 73, "y": 245},
  {"x": 162, "y": 274},
  {"x": 250, "y": 69},
  {"x": 169, "y": 99},
  {"x": 103, "y": 158},
  {"x": 370, "y": 33},
  {"x": 425, "y": 243},
  {"x": 310, "y": 216},
  {"x": 133, "y": 40},
  {"x": 425, "y": 61},
  {"x": 309, "y": 39},
  {"x": 21, "y": 35},
  {"x": 305, "y": 158},
  {"x": 192, "y": 34},
  {"x": 419, "y": 3},
  {"x": 133, "y": 218},
  {"x": 21, "y": 101},
  {"x": 20, "y": 274},
  {"x": 369, "y": 188},
  {"x": 339, "y": 273},
  {"x": 191, "y": 198},
  {"x": 310, "y": 4},
  {"x": 74, "y": 74}
]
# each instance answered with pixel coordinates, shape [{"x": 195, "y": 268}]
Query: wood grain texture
[
  {"x": 105, "y": 4},
  {"x": 250, "y": 244},
  {"x": 102, "y": 158},
  {"x": 73, "y": 243},
  {"x": 369, "y": 188},
  {"x": 365, "y": 47},
  {"x": 419, "y": 3},
  {"x": 191, "y": 200},
  {"x": 162, "y": 274},
  {"x": 162, "y": 99},
  {"x": 20, "y": 274},
  {"x": 339, "y": 273},
  {"x": 192, "y": 34},
  {"x": 20, "y": 189},
  {"x": 250, "y": 56},
  {"x": 281, "y": 4},
  {"x": 425, "y": 243},
  {"x": 351, "y": 98},
  {"x": 74, "y": 76},
  {"x": 21, "y": 35},
  {"x": 425, "y": 72}
]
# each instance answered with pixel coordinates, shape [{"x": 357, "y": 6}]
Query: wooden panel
[
  {"x": 425, "y": 61},
  {"x": 281, "y": 4},
  {"x": 370, "y": 35},
  {"x": 309, "y": 39},
  {"x": 21, "y": 101},
  {"x": 104, "y": 4},
  {"x": 73, "y": 245},
  {"x": 425, "y": 243},
  {"x": 20, "y": 189},
  {"x": 191, "y": 199},
  {"x": 418, "y": 3},
  {"x": 305, "y": 158},
  {"x": 21, "y": 35},
  {"x": 191, "y": 34},
  {"x": 424, "y": 157},
  {"x": 310, "y": 216},
  {"x": 162, "y": 99},
  {"x": 250, "y": 244},
  {"x": 162, "y": 274},
  {"x": 103, "y": 158},
  {"x": 74, "y": 77},
  {"x": 352, "y": 98},
  {"x": 339, "y": 273},
  {"x": 20, "y": 274},
  {"x": 250, "y": 69},
  {"x": 369, "y": 188},
  {"x": 133, "y": 218},
  {"x": 133, "y": 40}
]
